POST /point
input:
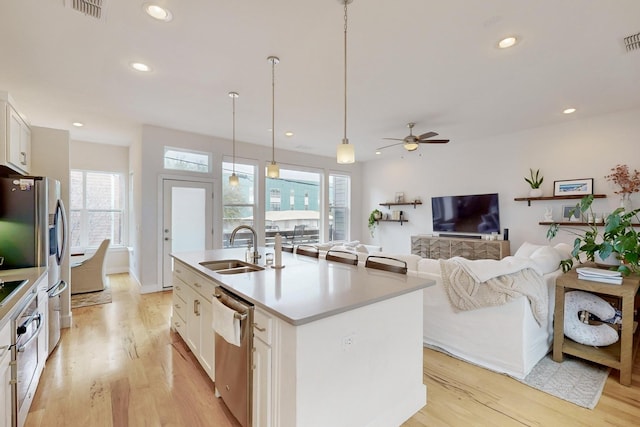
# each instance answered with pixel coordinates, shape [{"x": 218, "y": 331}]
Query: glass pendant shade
[
  {"x": 346, "y": 154},
  {"x": 273, "y": 170},
  {"x": 233, "y": 180},
  {"x": 411, "y": 146}
]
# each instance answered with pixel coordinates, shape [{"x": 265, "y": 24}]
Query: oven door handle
[{"x": 37, "y": 317}]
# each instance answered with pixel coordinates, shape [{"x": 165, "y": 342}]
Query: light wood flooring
[{"x": 119, "y": 365}]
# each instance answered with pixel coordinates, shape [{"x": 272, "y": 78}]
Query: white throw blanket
[
  {"x": 484, "y": 269},
  {"x": 466, "y": 293}
]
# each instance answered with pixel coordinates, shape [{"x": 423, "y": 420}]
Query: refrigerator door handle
[{"x": 61, "y": 216}]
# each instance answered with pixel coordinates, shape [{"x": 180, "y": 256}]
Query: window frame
[{"x": 84, "y": 211}]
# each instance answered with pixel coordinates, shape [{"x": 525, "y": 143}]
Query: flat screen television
[{"x": 477, "y": 213}]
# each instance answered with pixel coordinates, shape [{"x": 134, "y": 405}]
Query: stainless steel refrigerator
[{"x": 33, "y": 233}]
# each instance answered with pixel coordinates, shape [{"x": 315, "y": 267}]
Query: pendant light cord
[
  {"x": 344, "y": 140},
  {"x": 233, "y": 98},
  {"x": 273, "y": 110}
]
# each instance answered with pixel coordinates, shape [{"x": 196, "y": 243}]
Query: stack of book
[{"x": 599, "y": 275}]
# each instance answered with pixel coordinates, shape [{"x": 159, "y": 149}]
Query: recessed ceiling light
[
  {"x": 158, "y": 12},
  {"x": 289, "y": 133},
  {"x": 569, "y": 110},
  {"x": 139, "y": 66},
  {"x": 78, "y": 124},
  {"x": 507, "y": 42},
  {"x": 378, "y": 152}
]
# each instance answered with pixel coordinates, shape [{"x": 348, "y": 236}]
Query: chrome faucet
[{"x": 255, "y": 256}]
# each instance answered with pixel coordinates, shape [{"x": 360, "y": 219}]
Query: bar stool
[
  {"x": 393, "y": 265},
  {"x": 308, "y": 250},
  {"x": 344, "y": 257}
]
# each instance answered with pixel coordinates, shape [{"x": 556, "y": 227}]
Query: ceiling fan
[{"x": 411, "y": 142}]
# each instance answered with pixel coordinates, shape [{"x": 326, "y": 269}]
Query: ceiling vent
[
  {"x": 632, "y": 42},
  {"x": 92, "y": 8}
]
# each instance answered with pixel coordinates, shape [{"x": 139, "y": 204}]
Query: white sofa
[{"x": 506, "y": 338}]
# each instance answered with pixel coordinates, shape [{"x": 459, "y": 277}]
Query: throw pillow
[
  {"x": 526, "y": 250},
  {"x": 546, "y": 258}
]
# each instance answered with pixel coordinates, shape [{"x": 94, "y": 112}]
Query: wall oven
[{"x": 27, "y": 325}]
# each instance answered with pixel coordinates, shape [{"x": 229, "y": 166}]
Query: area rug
[
  {"x": 91, "y": 298},
  {"x": 574, "y": 380}
]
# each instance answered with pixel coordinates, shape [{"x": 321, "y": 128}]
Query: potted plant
[
  {"x": 374, "y": 216},
  {"x": 535, "y": 180},
  {"x": 616, "y": 236},
  {"x": 629, "y": 183}
]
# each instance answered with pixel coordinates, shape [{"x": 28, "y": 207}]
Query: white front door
[{"x": 187, "y": 223}]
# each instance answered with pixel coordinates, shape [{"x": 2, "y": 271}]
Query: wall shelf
[
  {"x": 577, "y": 224},
  {"x": 414, "y": 204},
  {"x": 529, "y": 199},
  {"x": 393, "y": 220}
]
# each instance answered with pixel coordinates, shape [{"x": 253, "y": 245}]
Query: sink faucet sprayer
[{"x": 252, "y": 256}]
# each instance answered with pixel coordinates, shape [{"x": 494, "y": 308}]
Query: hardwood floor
[{"x": 119, "y": 365}]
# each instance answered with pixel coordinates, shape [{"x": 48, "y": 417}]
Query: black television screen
[{"x": 476, "y": 213}]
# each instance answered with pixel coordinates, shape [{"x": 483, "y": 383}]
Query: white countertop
[
  {"x": 33, "y": 275},
  {"x": 307, "y": 289}
]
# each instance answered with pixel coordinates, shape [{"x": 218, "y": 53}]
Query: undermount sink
[{"x": 230, "y": 266}]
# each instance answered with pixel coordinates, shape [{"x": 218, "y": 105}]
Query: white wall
[
  {"x": 580, "y": 148},
  {"x": 104, "y": 158},
  {"x": 150, "y": 169}
]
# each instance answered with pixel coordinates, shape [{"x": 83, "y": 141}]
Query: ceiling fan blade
[
  {"x": 395, "y": 139},
  {"x": 428, "y": 135},
  {"x": 434, "y": 141},
  {"x": 392, "y": 145}
]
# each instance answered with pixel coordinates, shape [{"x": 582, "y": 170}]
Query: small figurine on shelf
[{"x": 548, "y": 214}]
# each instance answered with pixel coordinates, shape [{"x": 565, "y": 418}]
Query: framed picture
[
  {"x": 567, "y": 212},
  {"x": 399, "y": 197},
  {"x": 573, "y": 187}
]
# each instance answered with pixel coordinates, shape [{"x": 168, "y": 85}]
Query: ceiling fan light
[
  {"x": 273, "y": 170},
  {"x": 233, "y": 180},
  {"x": 345, "y": 154},
  {"x": 411, "y": 146}
]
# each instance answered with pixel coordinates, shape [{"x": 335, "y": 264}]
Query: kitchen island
[{"x": 334, "y": 344}]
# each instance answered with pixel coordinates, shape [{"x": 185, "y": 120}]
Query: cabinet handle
[
  {"x": 178, "y": 288},
  {"x": 178, "y": 271},
  {"x": 177, "y": 324},
  {"x": 196, "y": 307},
  {"x": 255, "y": 325},
  {"x": 24, "y": 158},
  {"x": 177, "y": 306},
  {"x": 197, "y": 285}
]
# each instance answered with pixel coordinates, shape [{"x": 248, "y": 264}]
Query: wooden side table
[{"x": 619, "y": 355}]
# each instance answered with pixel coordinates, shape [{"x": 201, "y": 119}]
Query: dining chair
[
  {"x": 393, "y": 265},
  {"x": 308, "y": 250},
  {"x": 89, "y": 275},
  {"x": 344, "y": 257}
]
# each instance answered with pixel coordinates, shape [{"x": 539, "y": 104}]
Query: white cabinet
[
  {"x": 5, "y": 376},
  {"x": 262, "y": 369},
  {"x": 15, "y": 137},
  {"x": 193, "y": 296}
]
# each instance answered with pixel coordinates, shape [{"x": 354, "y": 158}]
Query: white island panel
[{"x": 376, "y": 380}]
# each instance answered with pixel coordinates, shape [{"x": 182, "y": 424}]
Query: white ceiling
[{"x": 428, "y": 61}]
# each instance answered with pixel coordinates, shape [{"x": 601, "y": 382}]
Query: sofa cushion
[
  {"x": 526, "y": 250},
  {"x": 546, "y": 258}
]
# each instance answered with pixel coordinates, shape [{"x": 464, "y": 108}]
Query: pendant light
[
  {"x": 273, "y": 170},
  {"x": 233, "y": 179},
  {"x": 345, "y": 153}
]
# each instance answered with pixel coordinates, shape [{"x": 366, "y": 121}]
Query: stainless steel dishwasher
[{"x": 233, "y": 370}]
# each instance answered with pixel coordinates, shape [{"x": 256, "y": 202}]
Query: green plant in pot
[
  {"x": 534, "y": 181},
  {"x": 616, "y": 236},
  {"x": 374, "y": 216}
]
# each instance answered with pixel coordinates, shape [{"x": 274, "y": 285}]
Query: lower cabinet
[
  {"x": 193, "y": 314},
  {"x": 262, "y": 369},
  {"x": 5, "y": 376}
]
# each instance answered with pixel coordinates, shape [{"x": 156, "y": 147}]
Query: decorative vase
[
  {"x": 610, "y": 261},
  {"x": 535, "y": 192},
  {"x": 377, "y": 215},
  {"x": 625, "y": 202}
]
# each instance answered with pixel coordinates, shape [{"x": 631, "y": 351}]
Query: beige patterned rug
[
  {"x": 91, "y": 298},
  {"x": 574, "y": 380}
]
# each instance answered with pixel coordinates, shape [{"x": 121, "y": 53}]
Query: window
[
  {"x": 238, "y": 202},
  {"x": 187, "y": 160},
  {"x": 339, "y": 206},
  {"x": 274, "y": 199},
  {"x": 302, "y": 207},
  {"x": 96, "y": 210}
]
